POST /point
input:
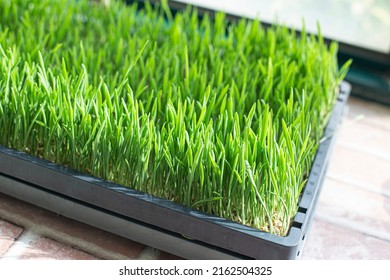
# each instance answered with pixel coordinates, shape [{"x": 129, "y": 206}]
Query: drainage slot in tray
[
  {"x": 297, "y": 224},
  {"x": 302, "y": 210}
]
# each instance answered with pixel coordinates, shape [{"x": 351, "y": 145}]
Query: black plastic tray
[{"x": 157, "y": 222}]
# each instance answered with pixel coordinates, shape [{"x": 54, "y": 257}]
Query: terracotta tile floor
[{"x": 352, "y": 220}]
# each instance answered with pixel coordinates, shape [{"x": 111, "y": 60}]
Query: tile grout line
[
  {"x": 148, "y": 253},
  {"x": 371, "y": 124},
  {"x": 364, "y": 186},
  {"x": 359, "y": 148},
  {"x": 72, "y": 241},
  {"x": 20, "y": 245},
  {"x": 345, "y": 223}
]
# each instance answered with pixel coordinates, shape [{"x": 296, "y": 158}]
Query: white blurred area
[{"x": 364, "y": 23}]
